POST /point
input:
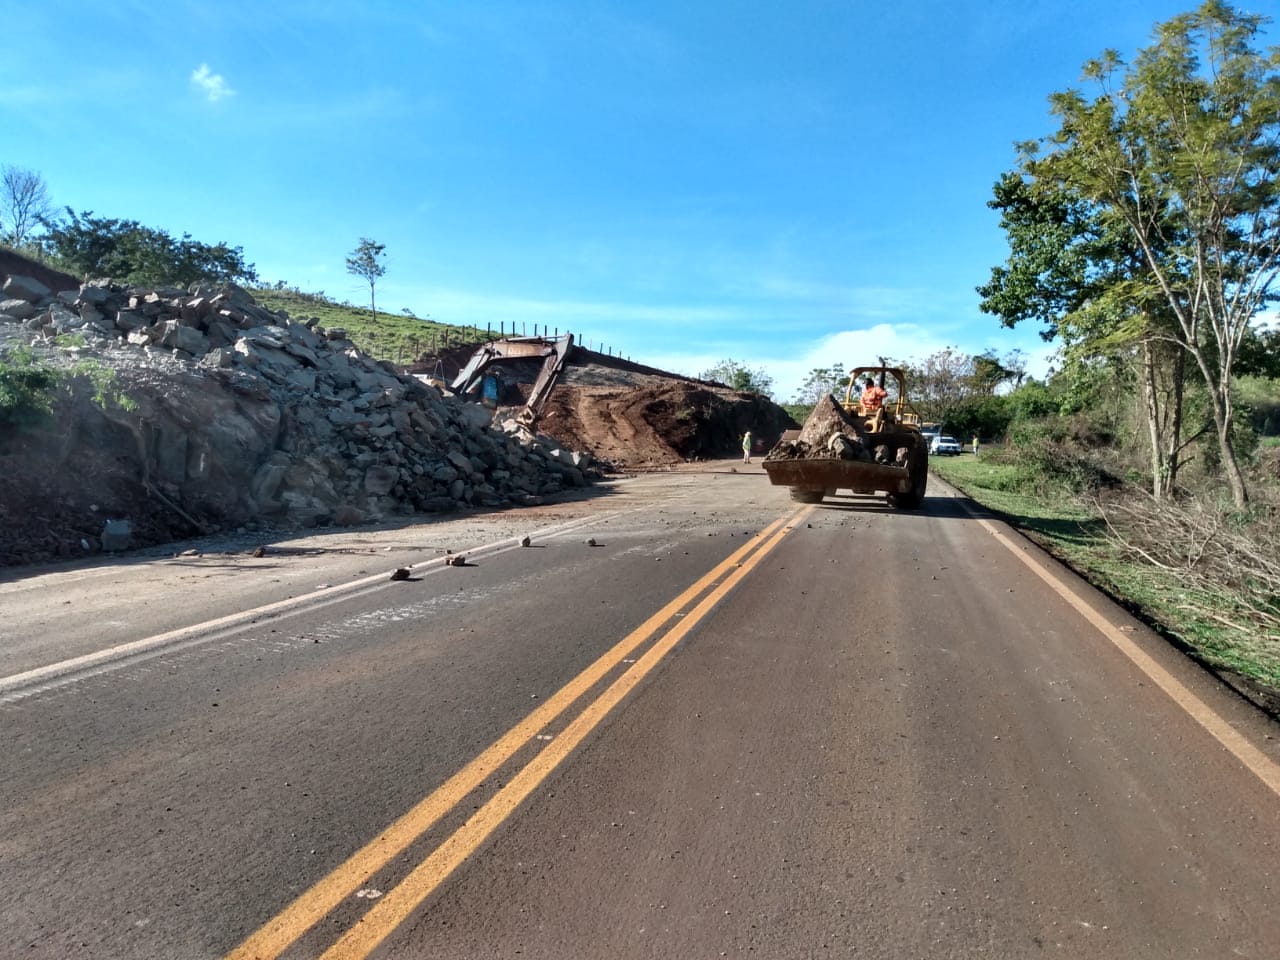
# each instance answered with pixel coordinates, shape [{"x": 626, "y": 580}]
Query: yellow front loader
[{"x": 844, "y": 445}]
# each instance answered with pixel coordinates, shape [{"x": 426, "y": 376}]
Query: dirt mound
[
  {"x": 16, "y": 263},
  {"x": 176, "y": 412},
  {"x": 654, "y": 424}
]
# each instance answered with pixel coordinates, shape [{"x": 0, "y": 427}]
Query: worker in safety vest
[
  {"x": 872, "y": 400},
  {"x": 872, "y": 396}
]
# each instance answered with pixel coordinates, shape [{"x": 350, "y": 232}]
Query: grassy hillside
[{"x": 397, "y": 337}]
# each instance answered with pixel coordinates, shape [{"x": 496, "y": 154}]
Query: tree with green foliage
[
  {"x": 991, "y": 372},
  {"x": 1260, "y": 352},
  {"x": 1077, "y": 271},
  {"x": 740, "y": 377},
  {"x": 820, "y": 382},
  {"x": 1031, "y": 400},
  {"x": 366, "y": 261},
  {"x": 126, "y": 250},
  {"x": 940, "y": 383},
  {"x": 24, "y": 204},
  {"x": 1180, "y": 148},
  {"x": 949, "y": 380}
]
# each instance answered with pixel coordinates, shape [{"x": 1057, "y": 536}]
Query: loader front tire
[{"x": 918, "y": 470}]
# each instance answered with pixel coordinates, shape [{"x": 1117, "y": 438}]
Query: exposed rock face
[
  {"x": 654, "y": 422},
  {"x": 233, "y": 413}
]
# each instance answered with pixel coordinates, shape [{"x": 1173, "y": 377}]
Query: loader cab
[{"x": 896, "y": 411}]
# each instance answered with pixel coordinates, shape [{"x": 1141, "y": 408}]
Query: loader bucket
[{"x": 831, "y": 475}]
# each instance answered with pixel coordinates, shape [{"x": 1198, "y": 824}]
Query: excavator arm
[{"x": 554, "y": 352}]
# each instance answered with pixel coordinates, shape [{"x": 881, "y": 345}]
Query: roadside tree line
[
  {"x": 83, "y": 245},
  {"x": 1144, "y": 233}
]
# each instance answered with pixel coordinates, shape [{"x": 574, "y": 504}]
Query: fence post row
[{"x": 440, "y": 339}]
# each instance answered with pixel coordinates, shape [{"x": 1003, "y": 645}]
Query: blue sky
[{"x": 789, "y": 185}]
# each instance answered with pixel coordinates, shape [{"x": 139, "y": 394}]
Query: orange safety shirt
[{"x": 873, "y": 397}]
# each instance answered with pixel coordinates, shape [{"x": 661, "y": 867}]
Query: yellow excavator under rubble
[{"x": 552, "y": 351}]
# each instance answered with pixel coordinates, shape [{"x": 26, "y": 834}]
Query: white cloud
[{"x": 214, "y": 85}]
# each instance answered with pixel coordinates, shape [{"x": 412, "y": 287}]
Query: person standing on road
[
  {"x": 746, "y": 447},
  {"x": 975, "y": 444}
]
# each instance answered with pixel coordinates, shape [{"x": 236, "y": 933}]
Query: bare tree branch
[{"x": 24, "y": 202}]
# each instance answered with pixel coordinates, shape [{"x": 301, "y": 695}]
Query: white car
[{"x": 942, "y": 444}]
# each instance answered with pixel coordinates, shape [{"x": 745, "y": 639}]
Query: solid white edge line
[
  {"x": 39, "y": 678},
  {"x": 1256, "y": 761}
]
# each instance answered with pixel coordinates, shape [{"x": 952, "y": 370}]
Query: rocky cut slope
[{"x": 218, "y": 413}]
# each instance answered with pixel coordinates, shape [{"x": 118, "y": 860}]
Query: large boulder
[{"x": 25, "y": 288}]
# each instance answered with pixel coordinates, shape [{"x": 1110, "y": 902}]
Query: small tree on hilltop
[
  {"x": 365, "y": 262},
  {"x": 24, "y": 203}
]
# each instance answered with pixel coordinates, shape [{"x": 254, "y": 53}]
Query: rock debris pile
[{"x": 216, "y": 412}]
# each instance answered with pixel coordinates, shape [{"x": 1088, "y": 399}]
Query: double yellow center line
[{"x": 283, "y": 930}]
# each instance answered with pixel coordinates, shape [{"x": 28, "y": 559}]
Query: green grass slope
[{"x": 399, "y": 338}]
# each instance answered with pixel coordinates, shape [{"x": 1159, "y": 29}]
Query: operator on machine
[{"x": 872, "y": 401}]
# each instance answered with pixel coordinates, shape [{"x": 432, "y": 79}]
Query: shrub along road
[{"x": 689, "y": 719}]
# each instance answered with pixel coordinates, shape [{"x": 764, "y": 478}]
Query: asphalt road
[{"x": 691, "y": 719}]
